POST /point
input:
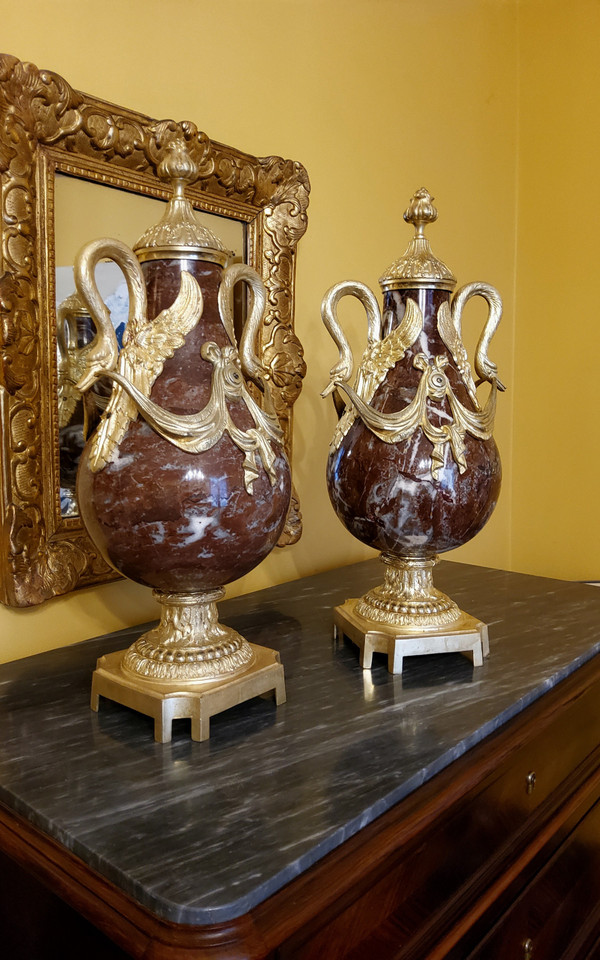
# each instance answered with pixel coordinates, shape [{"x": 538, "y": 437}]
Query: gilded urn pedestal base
[
  {"x": 466, "y": 635},
  {"x": 188, "y": 666},
  {"x": 407, "y": 616},
  {"x": 166, "y": 701},
  {"x": 189, "y": 643}
]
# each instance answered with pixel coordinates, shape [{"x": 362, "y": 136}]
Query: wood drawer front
[
  {"x": 552, "y": 755},
  {"x": 513, "y": 802},
  {"x": 558, "y": 908},
  {"x": 461, "y": 853},
  {"x": 541, "y": 770}
]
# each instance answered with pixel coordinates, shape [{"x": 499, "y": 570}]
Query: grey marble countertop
[{"x": 202, "y": 832}]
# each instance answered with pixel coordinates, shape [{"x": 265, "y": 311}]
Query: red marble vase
[
  {"x": 413, "y": 469},
  {"x": 185, "y": 485},
  {"x": 173, "y": 520},
  {"x": 385, "y": 494}
]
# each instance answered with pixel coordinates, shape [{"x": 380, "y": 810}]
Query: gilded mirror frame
[{"x": 47, "y": 127}]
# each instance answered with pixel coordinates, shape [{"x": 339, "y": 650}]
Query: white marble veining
[{"x": 202, "y": 832}]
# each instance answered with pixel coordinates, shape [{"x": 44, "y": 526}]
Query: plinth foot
[
  {"x": 166, "y": 701},
  {"x": 464, "y": 635}
]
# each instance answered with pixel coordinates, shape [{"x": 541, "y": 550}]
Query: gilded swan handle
[
  {"x": 342, "y": 371},
  {"x": 251, "y": 365},
  {"x": 103, "y": 352},
  {"x": 485, "y": 368}
]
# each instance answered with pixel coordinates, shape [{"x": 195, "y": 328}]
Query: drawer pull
[
  {"x": 530, "y": 787},
  {"x": 528, "y": 947}
]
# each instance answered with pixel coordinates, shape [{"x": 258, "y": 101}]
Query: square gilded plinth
[
  {"x": 466, "y": 635},
  {"x": 166, "y": 701}
]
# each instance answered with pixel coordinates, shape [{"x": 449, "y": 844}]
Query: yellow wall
[
  {"x": 376, "y": 98},
  {"x": 556, "y": 517}
]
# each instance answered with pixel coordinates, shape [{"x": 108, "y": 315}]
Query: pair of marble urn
[{"x": 184, "y": 486}]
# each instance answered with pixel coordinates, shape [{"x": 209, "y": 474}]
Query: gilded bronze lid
[
  {"x": 418, "y": 267},
  {"x": 180, "y": 234}
]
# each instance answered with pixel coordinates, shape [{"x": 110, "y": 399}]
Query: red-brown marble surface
[
  {"x": 385, "y": 493},
  {"x": 173, "y": 520}
]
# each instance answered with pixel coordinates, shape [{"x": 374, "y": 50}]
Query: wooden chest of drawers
[
  {"x": 507, "y": 839},
  {"x": 495, "y": 856}
]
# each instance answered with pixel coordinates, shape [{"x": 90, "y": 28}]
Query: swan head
[{"x": 97, "y": 359}]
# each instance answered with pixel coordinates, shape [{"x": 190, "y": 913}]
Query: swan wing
[
  {"x": 377, "y": 360},
  {"x": 452, "y": 340},
  {"x": 158, "y": 339},
  {"x": 385, "y": 354},
  {"x": 141, "y": 361}
]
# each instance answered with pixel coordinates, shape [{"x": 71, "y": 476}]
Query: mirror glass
[{"x": 86, "y": 211}]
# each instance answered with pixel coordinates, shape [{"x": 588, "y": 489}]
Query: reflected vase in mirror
[
  {"x": 184, "y": 486},
  {"x": 78, "y": 413},
  {"x": 413, "y": 469}
]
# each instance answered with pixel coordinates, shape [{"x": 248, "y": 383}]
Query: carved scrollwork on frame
[{"x": 45, "y": 127}]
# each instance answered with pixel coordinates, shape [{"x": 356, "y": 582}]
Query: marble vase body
[
  {"x": 177, "y": 521},
  {"x": 385, "y": 493}
]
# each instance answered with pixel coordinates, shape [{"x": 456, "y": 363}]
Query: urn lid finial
[
  {"x": 180, "y": 234},
  {"x": 418, "y": 267}
]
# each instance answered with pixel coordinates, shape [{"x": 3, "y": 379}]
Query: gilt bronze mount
[
  {"x": 407, "y": 616},
  {"x": 194, "y": 700}
]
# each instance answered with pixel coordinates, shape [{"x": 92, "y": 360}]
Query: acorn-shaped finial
[
  {"x": 418, "y": 267},
  {"x": 177, "y": 165},
  {"x": 180, "y": 234},
  {"x": 420, "y": 211}
]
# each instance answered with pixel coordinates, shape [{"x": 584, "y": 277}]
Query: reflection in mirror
[{"x": 85, "y": 211}]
